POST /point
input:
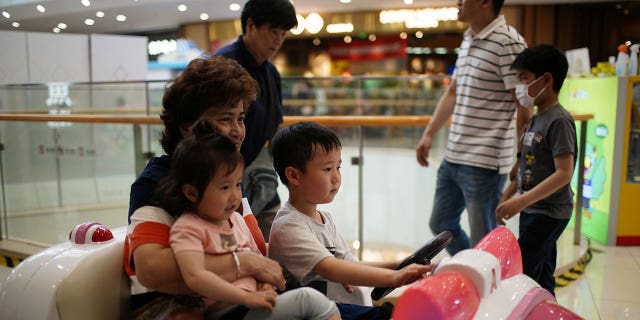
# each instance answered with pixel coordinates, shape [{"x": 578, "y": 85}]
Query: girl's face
[
  {"x": 222, "y": 196},
  {"x": 229, "y": 121},
  {"x": 322, "y": 177}
]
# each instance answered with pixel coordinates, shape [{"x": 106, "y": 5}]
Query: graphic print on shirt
[
  {"x": 529, "y": 158},
  {"x": 228, "y": 242}
]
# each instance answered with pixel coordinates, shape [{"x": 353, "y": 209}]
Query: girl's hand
[
  {"x": 260, "y": 299},
  {"x": 410, "y": 274},
  {"x": 262, "y": 286}
]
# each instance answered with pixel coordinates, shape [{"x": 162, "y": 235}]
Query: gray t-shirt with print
[{"x": 548, "y": 134}]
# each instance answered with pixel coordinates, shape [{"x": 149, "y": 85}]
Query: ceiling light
[
  {"x": 408, "y": 1},
  {"x": 314, "y": 23},
  {"x": 204, "y": 16},
  {"x": 440, "y": 50},
  {"x": 182, "y": 8},
  {"x": 302, "y": 23},
  {"x": 345, "y": 1},
  {"x": 99, "y": 14},
  {"x": 121, "y": 17},
  {"x": 89, "y": 22},
  {"x": 85, "y": 3},
  {"x": 6, "y": 14},
  {"x": 419, "y": 18},
  {"x": 340, "y": 27},
  {"x": 40, "y": 8},
  {"x": 347, "y": 39},
  {"x": 372, "y": 37},
  {"x": 419, "y": 34},
  {"x": 316, "y": 42},
  {"x": 403, "y": 35},
  {"x": 234, "y": 7},
  {"x": 56, "y": 30},
  {"x": 62, "y": 25},
  {"x": 16, "y": 24}
]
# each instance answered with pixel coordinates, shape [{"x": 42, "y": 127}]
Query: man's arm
[{"x": 443, "y": 112}]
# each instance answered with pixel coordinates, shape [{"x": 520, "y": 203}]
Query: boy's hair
[
  {"x": 544, "y": 58},
  {"x": 216, "y": 82},
  {"x": 277, "y": 13},
  {"x": 294, "y": 145},
  {"x": 497, "y": 5},
  {"x": 196, "y": 160}
]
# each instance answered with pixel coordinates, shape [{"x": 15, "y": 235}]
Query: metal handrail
[{"x": 332, "y": 121}]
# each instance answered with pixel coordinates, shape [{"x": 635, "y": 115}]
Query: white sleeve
[{"x": 295, "y": 247}]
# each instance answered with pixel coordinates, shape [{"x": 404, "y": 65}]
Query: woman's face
[{"x": 230, "y": 121}]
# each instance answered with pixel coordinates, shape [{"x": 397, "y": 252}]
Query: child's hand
[
  {"x": 263, "y": 286},
  {"x": 410, "y": 274},
  {"x": 508, "y": 209},
  {"x": 348, "y": 287},
  {"x": 260, "y": 299}
]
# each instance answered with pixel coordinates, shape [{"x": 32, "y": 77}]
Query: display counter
[{"x": 610, "y": 179}]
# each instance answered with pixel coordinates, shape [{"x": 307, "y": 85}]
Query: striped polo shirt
[{"x": 482, "y": 129}]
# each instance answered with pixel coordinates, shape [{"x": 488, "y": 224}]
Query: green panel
[{"x": 597, "y": 96}]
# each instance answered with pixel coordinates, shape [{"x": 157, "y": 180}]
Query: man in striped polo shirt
[{"x": 481, "y": 104}]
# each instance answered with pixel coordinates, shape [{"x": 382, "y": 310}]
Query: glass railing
[{"x": 56, "y": 174}]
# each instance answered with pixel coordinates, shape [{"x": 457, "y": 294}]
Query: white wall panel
[
  {"x": 58, "y": 57},
  {"x": 13, "y": 60},
  {"x": 118, "y": 58}
]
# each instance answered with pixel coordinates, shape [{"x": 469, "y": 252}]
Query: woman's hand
[
  {"x": 261, "y": 268},
  {"x": 260, "y": 299}
]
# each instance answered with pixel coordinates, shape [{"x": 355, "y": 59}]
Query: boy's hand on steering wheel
[{"x": 410, "y": 274}]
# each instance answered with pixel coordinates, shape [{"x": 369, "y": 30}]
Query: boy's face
[
  {"x": 230, "y": 121},
  {"x": 321, "y": 180},
  {"x": 222, "y": 196},
  {"x": 535, "y": 84}
]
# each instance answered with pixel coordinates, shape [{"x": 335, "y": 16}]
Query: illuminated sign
[{"x": 419, "y": 18}]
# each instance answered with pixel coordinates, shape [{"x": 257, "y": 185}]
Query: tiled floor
[{"x": 609, "y": 288}]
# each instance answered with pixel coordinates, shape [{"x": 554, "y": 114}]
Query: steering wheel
[{"x": 422, "y": 256}]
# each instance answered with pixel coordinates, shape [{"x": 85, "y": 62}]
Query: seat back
[
  {"x": 78, "y": 279},
  {"x": 97, "y": 288}
]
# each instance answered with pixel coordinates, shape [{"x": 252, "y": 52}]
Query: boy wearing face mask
[{"x": 542, "y": 191}]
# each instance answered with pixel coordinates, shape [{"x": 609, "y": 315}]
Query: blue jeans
[
  {"x": 459, "y": 187},
  {"x": 538, "y": 237}
]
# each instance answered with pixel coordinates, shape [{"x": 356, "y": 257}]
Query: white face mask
[{"x": 522, "y": 94}]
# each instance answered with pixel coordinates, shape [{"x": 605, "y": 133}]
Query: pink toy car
[
  {"x": 481, "y": 283},
  {"x": 83, "y": 279}
]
